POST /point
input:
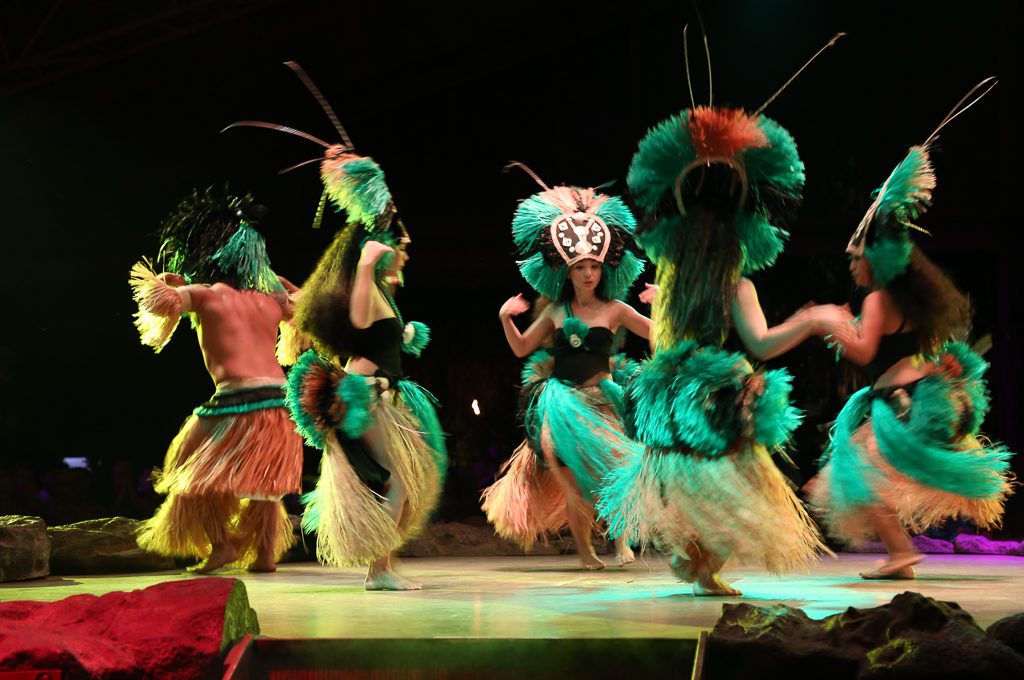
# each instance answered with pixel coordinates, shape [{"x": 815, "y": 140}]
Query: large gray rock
[
  {"x": 865, "y": 547},
  {"x": 925, "y": 544},
  {"x": 102, "y": 546},
  {"x": 932, "y": 546},
  {"x": 24, "y": 548},
  {"x": 911, "y": 637},
  {"x": 980, "y": 545},
  {"x": 1010, "y": 631},
  {"x": 455, "y": 539}
]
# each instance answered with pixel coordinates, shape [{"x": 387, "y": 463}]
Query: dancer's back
[{"x": 237, "y": 330}]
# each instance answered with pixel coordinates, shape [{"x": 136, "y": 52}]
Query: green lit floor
[{"x": 545, "y": 597}]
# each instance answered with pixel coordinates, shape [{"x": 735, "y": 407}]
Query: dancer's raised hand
[{"x": 514, "y": 306}]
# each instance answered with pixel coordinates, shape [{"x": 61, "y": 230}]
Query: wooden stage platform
[{"x": 551, "y": 597}]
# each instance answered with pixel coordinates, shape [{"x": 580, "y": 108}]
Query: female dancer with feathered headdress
[
  {"x": 384, "y": 452},
  {"x": 575, "y": 247},
  {"x": 710, "y": 181},
  {"x": 905, "y": 451}
]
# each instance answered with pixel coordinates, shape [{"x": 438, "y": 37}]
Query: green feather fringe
[
  {"x": 617, "y": 501},
  {"x": 311, "y": 512},
  {"x": 661, "y": 155},
  {"x": 760, "y": 241},
  {"x": 614, "y": 212},
  {"x": 245, "y": 254},
  {"x": 775, "y": 418},
  {"x": 358, "y": 188},
  {"x": 972, "y": 381},
  {"x": 661, "y": 242},
  {"x": 579, "y": 432},
  {"x": 616, "y": 396},
  {"x": 306, "y": 424},
  {"x": 973, "y": 473},
  {"x": 623, "y": 369},
  {"x": 387, "y": 260},
  {"x": 889, "y": 257},
  {"x": 703, "y": 420},
  {"x": 852, "y": 477},
  {"x": 667, "y": 149},
  {"x": 650, "y": 393},
  {"x": 574, "y": 326},
  {"x": 616, "y": 281},
  {"x": 546, "y": 280},
  {"x": 532, "y": 217},
  {"x": 926, "y": 444},
  {"x": 905, "y": 196},
  {"x": 685, "y": 397},
  {"x": 356, "y": 394},
  {"x": 420, "y": 339},
  {"x": 208, "y": 412},
  {"x": 537, "y": 367},
  {"x": 777, "y": 165}
]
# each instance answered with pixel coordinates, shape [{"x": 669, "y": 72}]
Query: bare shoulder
[
  {"x": 620, "y": 309},
  {"x": 880, "y": 300},
  {"x": 746, "y": 291},
  {"x": 221, "y": 290},
  {"x": 883, "y": 297},
  {"x": 199, "y": 294},
  {"x": 552, "y": 312}
]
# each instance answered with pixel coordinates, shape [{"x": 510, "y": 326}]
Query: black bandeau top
[
  {"x": 892, "y": 348},
  {"x": 577, "y": 365},
  {"x": 381, "y": 343}
]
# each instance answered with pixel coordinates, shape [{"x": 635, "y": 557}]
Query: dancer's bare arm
[
  {"x": 523, "y": 344},
  {"x": 858, "y": 340},
  {"x": 760, "y": 340},
  {"x": 635, "y": 322},
  {"x": 364, "y": 289}
]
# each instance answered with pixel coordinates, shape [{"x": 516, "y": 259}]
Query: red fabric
[{"x": 170, "y": 630}]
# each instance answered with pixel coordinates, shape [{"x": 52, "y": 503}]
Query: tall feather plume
[
  {"x": 908, "y": 191},
  {"x": 723, "y": 133}
]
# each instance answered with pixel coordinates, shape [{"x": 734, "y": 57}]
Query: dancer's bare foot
[
  {"x": 591, "y": 562},
  {"x": 883, "y": 574},
  {"x": 712, "y": 585},
  {"x": 263, "y": 565},
  {"x": 900, "y": 566},
  {"x": 623, "y": 553},
  {"x": 388, "y": 580},
  {"x": 221, "y": 554}
]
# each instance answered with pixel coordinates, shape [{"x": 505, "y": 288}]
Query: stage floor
[{"x": 550, "y": 597}]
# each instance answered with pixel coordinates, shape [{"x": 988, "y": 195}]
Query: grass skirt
[
  {"x": 914, "y": 450},
  {"x": 396, "y": 423},
  {"x": 706, "y": 476},
  {"x": 224, "y": 474}
]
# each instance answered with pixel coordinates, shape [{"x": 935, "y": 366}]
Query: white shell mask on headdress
[{"x": 580, "y": 235}]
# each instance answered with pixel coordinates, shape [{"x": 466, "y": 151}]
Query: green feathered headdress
[
  {"x": 355, "y": 184},
  {"x": 557, "y": 227},
  {"x": 762, "y": 154},
  {"x": 211, "y": 238},
  {"x": 883, "y": 235}
]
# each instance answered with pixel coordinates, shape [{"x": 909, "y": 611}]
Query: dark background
[{"x": 110, "y": 114}]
